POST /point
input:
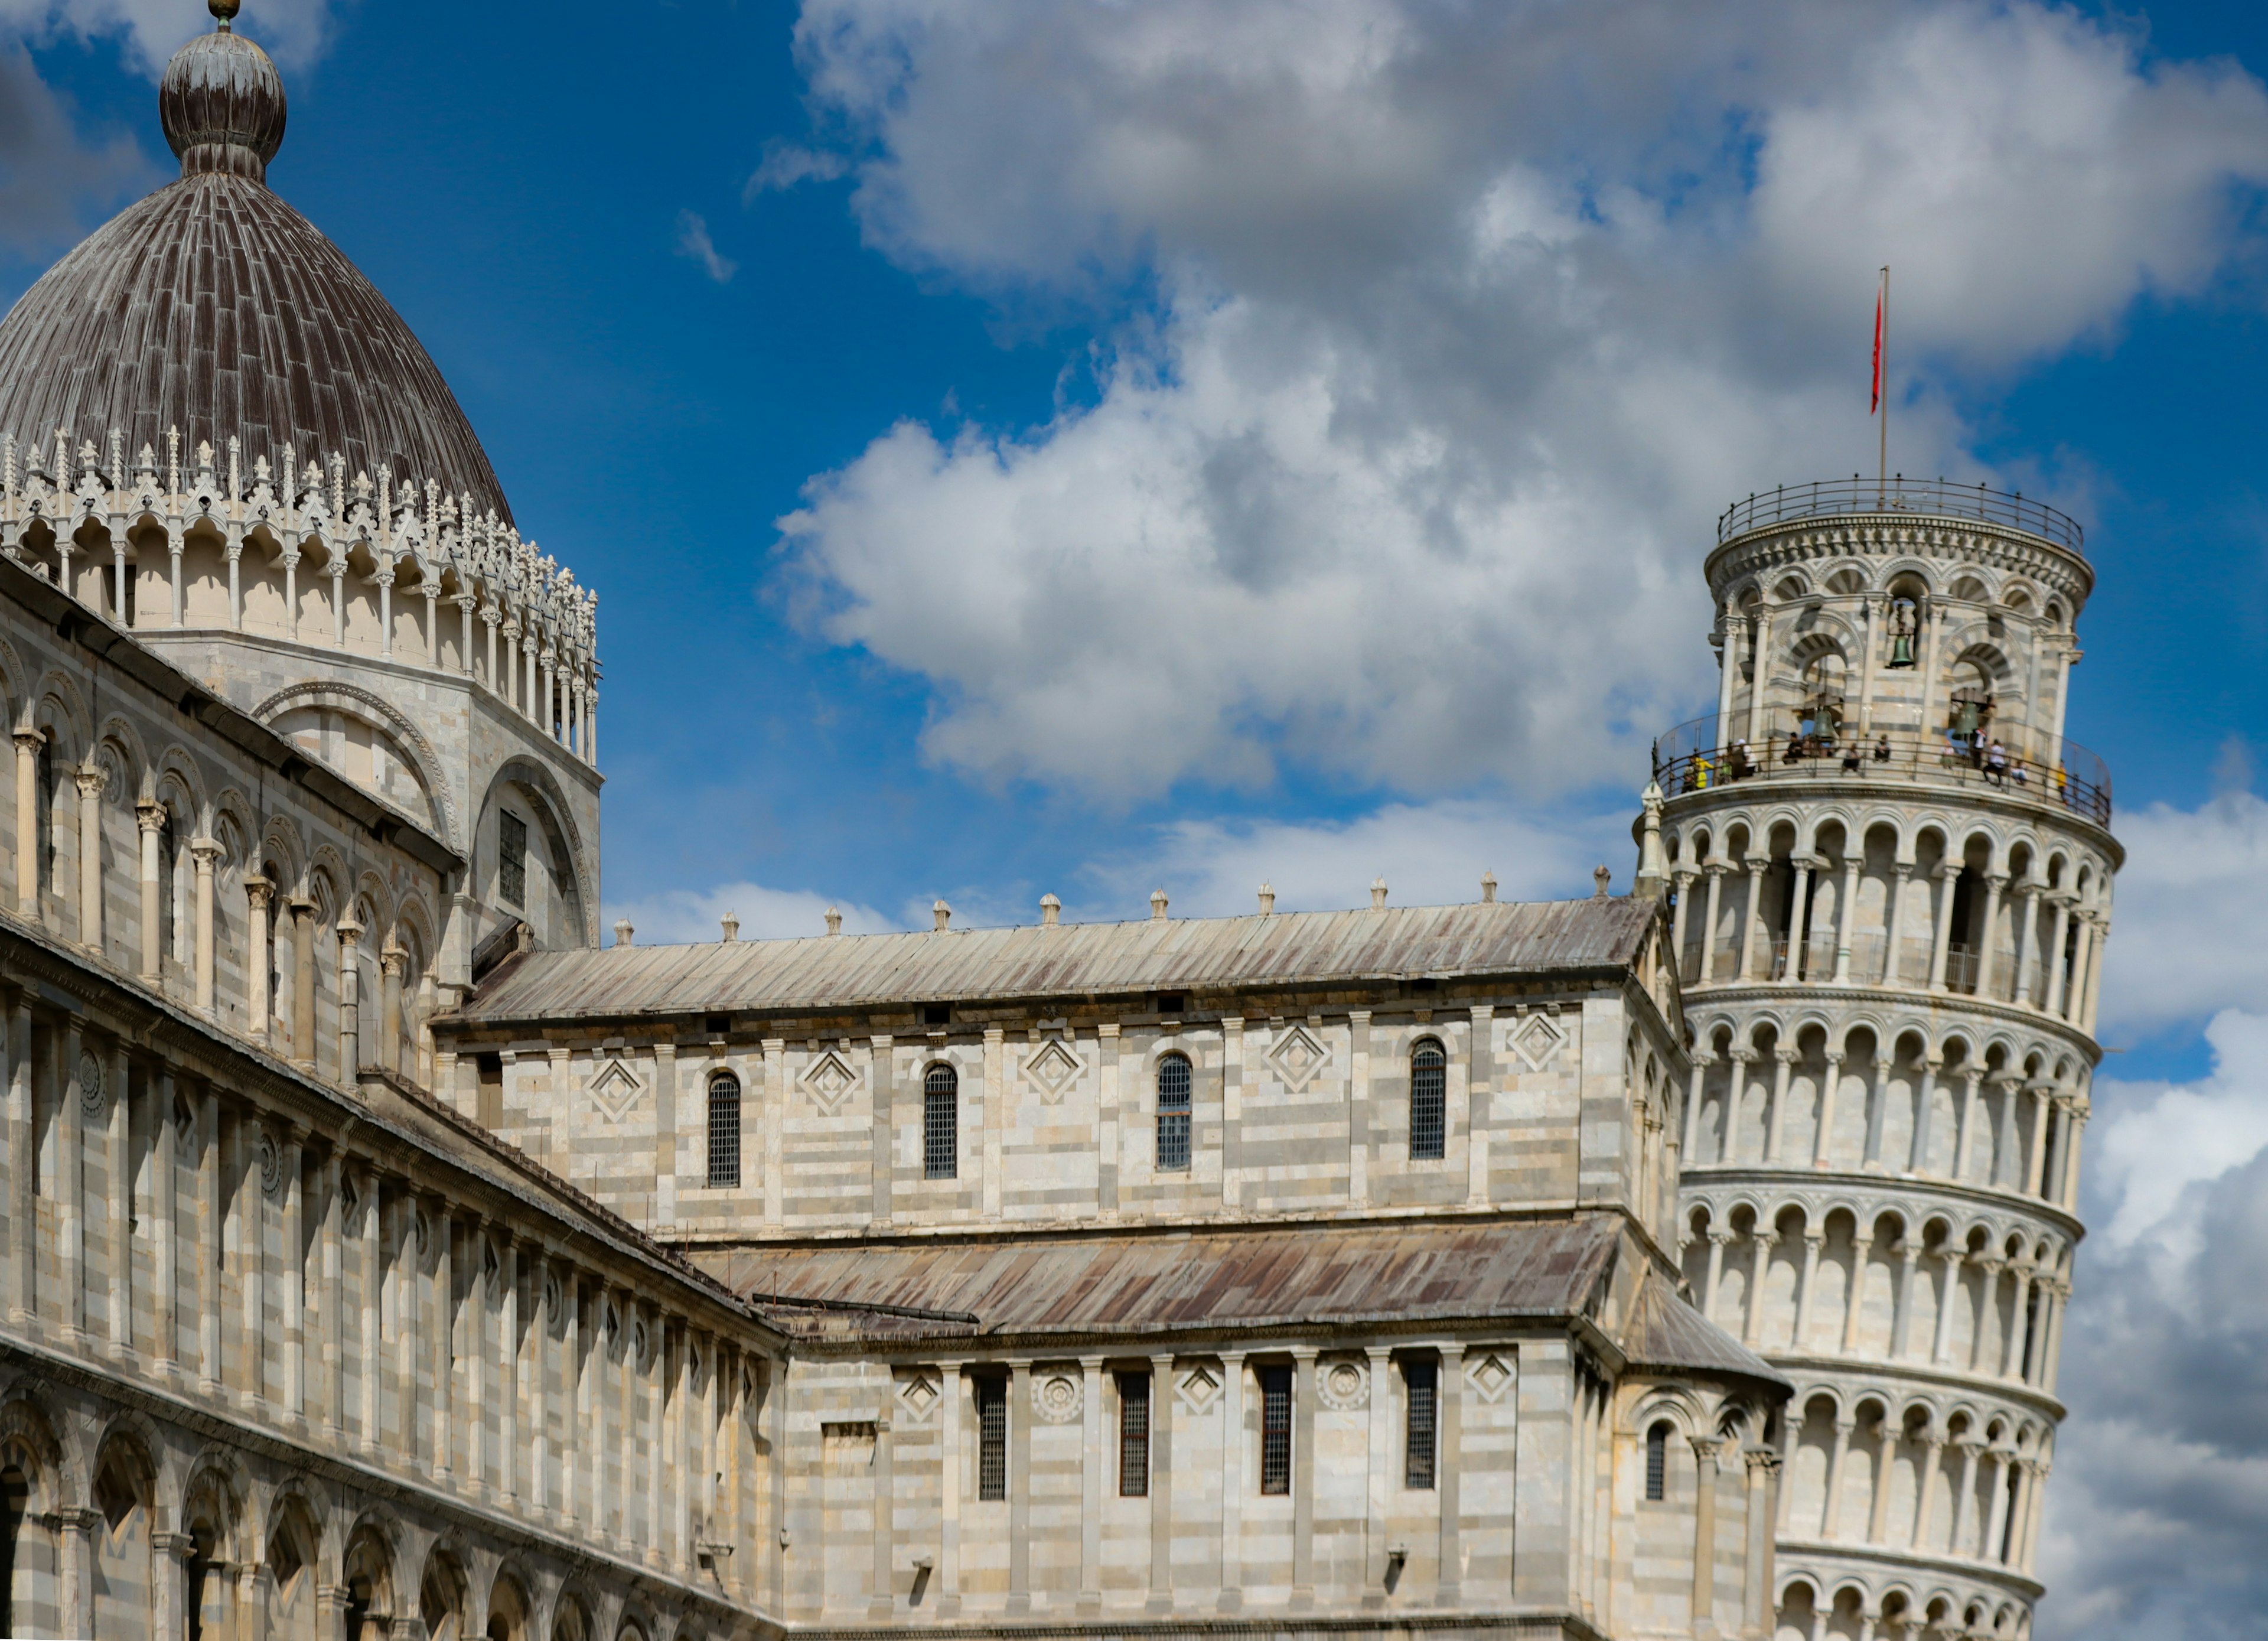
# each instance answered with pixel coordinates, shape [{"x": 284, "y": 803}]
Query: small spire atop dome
[{"x": 222, "y": 103}]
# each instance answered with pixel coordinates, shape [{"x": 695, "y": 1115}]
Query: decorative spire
[
  {"x": 222, "y": 103},
  {"x": 224, "y": 12}
]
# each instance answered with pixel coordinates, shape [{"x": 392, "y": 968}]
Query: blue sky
[{"x": 1281, "y": 440}]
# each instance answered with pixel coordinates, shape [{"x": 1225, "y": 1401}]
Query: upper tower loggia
[
  {"x": 1891, "y": 870},
  {"x": 217, "y": 434}
]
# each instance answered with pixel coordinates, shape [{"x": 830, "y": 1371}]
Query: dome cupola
[{"x": 222, "y": 102}]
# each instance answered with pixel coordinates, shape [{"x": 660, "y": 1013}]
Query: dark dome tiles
[{"x": 212, "y": 306}]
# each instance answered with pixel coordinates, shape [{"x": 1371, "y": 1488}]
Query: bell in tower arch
[{"x": 1902, "y": 636}]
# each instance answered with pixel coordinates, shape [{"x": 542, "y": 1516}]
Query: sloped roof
[
  {"x": 1247, "y": 1279},
  {"x": 1664, "y": 1333},
  {"x": 1070, "y": 960}
]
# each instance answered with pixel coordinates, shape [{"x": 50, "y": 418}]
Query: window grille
[
  {"x": 1429, "y": 1101},
  {"x": 1172, "y": 1114},
  {"x": 992, "y": 1438},
  {"x": 1133, "y": 1435},
  {"x": 1422, "y": 1379},
  {"x": 941, "y": 1124},
  {"x": 1657, "y": 1462},
  {"x": 725, "y": 1129},
  {"x": 1275, "y": 1430},
  {"x": 511, "y": 860}
]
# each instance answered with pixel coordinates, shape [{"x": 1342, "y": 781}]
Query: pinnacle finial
[{"x": 226, "y": 11}]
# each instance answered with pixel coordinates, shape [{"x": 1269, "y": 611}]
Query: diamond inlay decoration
[
  {"x": 616, "y": 1088},
  {"x": 920, "y": 1392},
  {"x": 1199, "y": 1386},
  {"x": 1053, "y": 1068},
  {"x": 1489, "y": 1377},
  {"x": 829, "y": 1082},
  {"x": 1536, "y": 1040},
  {"x": 1299, "y": 1058}
]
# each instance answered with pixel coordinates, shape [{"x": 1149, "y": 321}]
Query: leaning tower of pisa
[{"x": 1892, "y": 875}]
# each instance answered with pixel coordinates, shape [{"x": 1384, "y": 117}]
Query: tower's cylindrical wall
[{"x": 1893, "y": 873}]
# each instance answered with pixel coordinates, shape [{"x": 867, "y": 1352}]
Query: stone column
[
  {"x": 1703, "y": 1601},
  {"x": 667, "y": 1132},
  {"x": 1901, "y": 871},
  {"x": 995, "y": 1100},
  {"x": 1450, "y": 1473},
  {"x": 349, "y": 931},
  {"x": 2061, "y": 901},
  {"x": 303, "y": 982},
  {"x": 1814, "y": 1240},
  {"x": 377, "y": 1284},
  {"x": 1933, "y": 1448},
  {"x": 1719, "y": 1241},
  {"x": 69, "y": 1128},
  {"x": 1996, "y": 884},
  {"x": 331, "y": 1353},
  {"x": 1480, "y": 1083},
  {"x": 1886, "y": 1452},
  {"x": 90, "y": 782},
  {"x": 1878, "y": 1099},
  {"x": 1941, "y": 924},
  {"x": 1232, "y": 1481},
  {"x": 1019, "y": 1476},
  {"x": 1965, "y": 1129},
  {"x": 118, "y": 1169},
  {"x": 1736, "y": 1094},
  {"x": 1702, "y": 1061},
  {"x": 1924, "y": 1109},
  {"x": 1829, "y": 1086},
  {"x": 16, "y": 1071},
  {"x": 1843, "y": 920},
  {"x": 1715, "y": 871},
  {"x": 1358, "y": 1108},
  {"x": 1995, "y": 1505},
  {"x": 391, "y": 962},
  {"x": 1776, "y": 1115},
  {"x": 775, "y": 1103},
  {"x": 1901, "y": 1311},
  {"x": 1942, "y": 1340},
  {"x": 292, "y": 1278},
  {"x": 882, "y": 1163},
  {"x": 75, "y": 1531},
  {"x": 2028, "y": 943},
  {"x": 538, "y": 1490},
  {"x": 1763, "y": 1486},
  {"x": 1758, "y": 684},
  {"x": 1379, "y": 1364},
  {"x": 204, "y": 853},
  {"x": 258, "y": 955},
  {"x": 2075, "y": 991},
  {"x": 1162, "y": 1484},
  {"x": 1751, "y": 915},
  {"x": 508, "y": 1364},
  {"x": 1830, "y": 1511},
  {"x": 28, "y": 840},
  {"x": 251, "y": 1243},
  {"x": 953, "y": 1413},
  {"x": 150, "y": 816},
  {"x": 1092, "y": 1468},
  {"x": 2085, "y": 1021},
  {"x": 466, "y": 603},
  {"x": 881, "y": 1595},
  {"x": 165, "y": 1249},
  {"x": 445, "y": 1343},
  {"x": 209, "y": 1239},
  {"x": 1964, "y": 1495},
  {"x": 1681, "y": 878},
  {"x": 1799, "y": 923},
  {"x": 338, "y": 574},
  {"x": 1761, "y": 1244}
]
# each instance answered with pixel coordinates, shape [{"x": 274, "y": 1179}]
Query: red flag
[{"x": 1876, "y": 403}]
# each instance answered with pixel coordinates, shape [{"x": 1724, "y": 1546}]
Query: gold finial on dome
[{"x": 226, "y": 11}]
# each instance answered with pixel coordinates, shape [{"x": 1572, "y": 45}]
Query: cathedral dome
[{"x": 213, "y": 307}]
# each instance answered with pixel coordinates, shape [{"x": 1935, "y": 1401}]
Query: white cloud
[
  {"x": 47, "y": 176},
  {"x": 294, "y": 31},
  {"x": 1467, "y": 318},
  {"x": 2161, "y": 1493},
  {"x": 1430, "y": 855},
  {"x": 785, "y": 165},
  {"x": 689, "y": 916},
  {"x": 693, "y": 242},
  {"x": 2192, "y": 900}
]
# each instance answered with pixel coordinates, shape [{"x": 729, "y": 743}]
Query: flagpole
[{"x": 1883, "y": 460}]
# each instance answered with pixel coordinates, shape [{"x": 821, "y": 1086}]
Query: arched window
[
  {"x": 941, "y": 1124},
  {"x": 1657, "y": 1461},
  {"x": 1429, "y": 1101},
  {"x": 725, "y": 1129},
  {"x": 1174, "y": 1084}
]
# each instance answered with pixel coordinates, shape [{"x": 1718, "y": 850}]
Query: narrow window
[
  {"x": 1172, "y": 1114},
  {"x": 1429, "y": 1102},
  {"x": 1275, "y": 1430},
  {"x": 941, "y": 1124},
  {"x": 1423, "y": 1382},
  {"x": 725, "y": 1129},
  {"x": 1657, "y": 1462},
  {"x": 992, "y": 1437},
  {"x": 1133, "y": 1435},
  {"x": 511, "y": 860},
  {"x": 15, "y": 1506}
]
